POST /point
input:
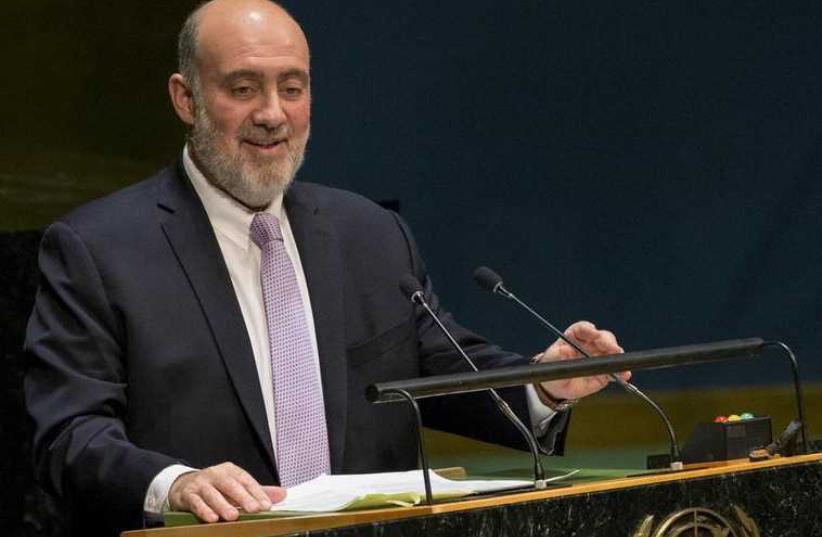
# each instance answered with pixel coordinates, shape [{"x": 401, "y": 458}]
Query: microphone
[
  {"x": 411, "y": 288},
  {"x": 492, "y": 282}
]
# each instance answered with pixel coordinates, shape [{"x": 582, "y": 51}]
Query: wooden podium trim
[{"x": 283, "y": 526}]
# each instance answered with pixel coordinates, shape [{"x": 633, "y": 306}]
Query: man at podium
[{"x": 202, "y": 340}]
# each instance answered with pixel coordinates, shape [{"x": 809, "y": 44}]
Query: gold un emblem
[{"x": 699, "y": 522}]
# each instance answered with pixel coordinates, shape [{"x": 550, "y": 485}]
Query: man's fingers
[
  {"x": 594, "y": 384},
  {"x": 603, "y": 380},
  {"x": 576, "y": 388},
  {"x": 564, "y": 351},
  {"x": 591, "y": 385},
  {"x": 582, "y": 331},
  {"x": 217, "y": 502},
  {"x": 197, "y": 506},
  {"x": 235, "y": 493},
  {"x": 607, "y": 342},
  {"x": 254, "y": 489},
  {"x": 275, "y": 494},
  {"x": 559, "y": 350},
  {"x": 592, "y": 339},
  {"x": 624, "y": 375},
  {"x": 219, "y": 492},
  {"x": 263, "y": 499}
]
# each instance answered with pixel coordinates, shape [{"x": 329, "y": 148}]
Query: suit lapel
[
  {"x": 186, "y": 225},
  {"x": 322, "y": 264}
]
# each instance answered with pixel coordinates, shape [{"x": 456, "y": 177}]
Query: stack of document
[{"x": 329, "y": 493}]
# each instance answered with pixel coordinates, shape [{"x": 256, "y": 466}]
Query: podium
[{"x": 777, "y": 497}]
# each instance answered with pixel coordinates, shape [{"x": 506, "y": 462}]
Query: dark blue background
[{"x": 651, "y": 166}]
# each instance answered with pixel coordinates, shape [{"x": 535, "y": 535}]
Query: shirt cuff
[
  {"x": 540, "y": 413},
  {"x": 156, "y": 501}
]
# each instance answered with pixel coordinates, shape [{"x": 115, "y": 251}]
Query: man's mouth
[{"x": 265, "y": 144}]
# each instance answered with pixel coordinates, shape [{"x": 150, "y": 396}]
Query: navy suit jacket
[{"x": 139, "y": 357}]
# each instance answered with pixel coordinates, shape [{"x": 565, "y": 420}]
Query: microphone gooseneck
[
  {"x": 411, "y": 288},
  {"x": 797, "y": 390},
  {"x": 492, "y": 282}
]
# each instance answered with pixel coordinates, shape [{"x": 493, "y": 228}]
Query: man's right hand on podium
[{"x": 215, "y": 493}]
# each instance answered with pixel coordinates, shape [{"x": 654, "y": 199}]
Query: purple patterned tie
[{"x": 302, "y": 438}]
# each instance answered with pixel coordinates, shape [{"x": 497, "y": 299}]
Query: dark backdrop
[{"x": 651, "y": 166}]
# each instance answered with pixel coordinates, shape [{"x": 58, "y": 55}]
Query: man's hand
[
  {"x": 216, "y": 493},
  {"x": 595, "y": 342}
]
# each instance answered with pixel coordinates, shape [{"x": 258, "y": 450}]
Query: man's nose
[{"x": 270, "y": 113}]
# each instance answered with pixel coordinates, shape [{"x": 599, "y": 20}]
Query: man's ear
[{"x": 182, "y": 98}]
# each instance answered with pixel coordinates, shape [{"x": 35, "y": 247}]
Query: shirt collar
[{"x": 228, "y": 216}]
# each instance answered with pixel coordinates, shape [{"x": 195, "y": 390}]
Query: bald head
[{"x": 218, "y": 23}]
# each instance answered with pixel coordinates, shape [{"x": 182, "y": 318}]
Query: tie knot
[{"x": 265, "y": 228}]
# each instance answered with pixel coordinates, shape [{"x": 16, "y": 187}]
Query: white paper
[{"x": 329, "y": 493}]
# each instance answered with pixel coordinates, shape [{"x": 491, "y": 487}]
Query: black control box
[{"x": 725, "y": 441}]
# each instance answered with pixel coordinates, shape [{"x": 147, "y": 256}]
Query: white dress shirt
[{"x": 231, "y": 222}]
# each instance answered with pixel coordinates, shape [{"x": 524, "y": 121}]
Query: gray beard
[{"x": 251, "y": 181}]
